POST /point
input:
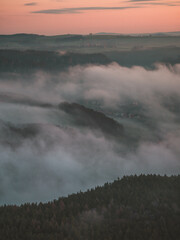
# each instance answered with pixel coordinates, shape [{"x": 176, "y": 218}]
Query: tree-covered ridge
[
  {"x": 86, "y": 117},
  {"x": 23, "y": 61},
  {"x": 32, "y": 60},
  {"x": 134, "y": 207}
]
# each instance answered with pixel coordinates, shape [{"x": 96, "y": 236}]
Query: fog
[{"x": 44, "y": 154}]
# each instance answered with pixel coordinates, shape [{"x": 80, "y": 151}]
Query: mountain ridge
[{"x": 133, "y": 207}]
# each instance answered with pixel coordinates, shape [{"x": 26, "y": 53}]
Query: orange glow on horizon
[{"x": 15, "y": 17}]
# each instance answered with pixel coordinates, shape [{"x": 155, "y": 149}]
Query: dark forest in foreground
[{"x": 134, "y": 207}]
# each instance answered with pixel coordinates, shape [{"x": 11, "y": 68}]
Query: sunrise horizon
[
  {"x": 53, "y": 17},
  {"x": 89, "y": 119},
  {"x": 138, "y": 34}
]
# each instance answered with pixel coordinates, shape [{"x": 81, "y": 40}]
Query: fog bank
[{"x": 45, "y": 154}]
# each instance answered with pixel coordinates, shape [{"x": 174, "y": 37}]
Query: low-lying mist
[{"x": 47, "y": 151}]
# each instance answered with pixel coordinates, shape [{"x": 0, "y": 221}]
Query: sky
[{"x": 52, "y": 17}]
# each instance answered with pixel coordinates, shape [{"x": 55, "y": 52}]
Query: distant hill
[
  {"x": 86, "y": 117},
  {"x": 146, "y": 57},
  {"x": 29, "y": 60},
  {"x": 134, "y": 207},
  {"x": 177, "y": 33},
  {"x": 32, "y": 60},
  {"x": 91, "y": 43},
  {"x": 78, "y": 115}
]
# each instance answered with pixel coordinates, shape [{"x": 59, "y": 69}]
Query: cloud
[
  {"x": 30, "y": 4},
  {"x": 138, "y": 4},
  {"x": 154, "y": 2},
  {"x": 43, "y": 155},
  {"x": 79, "y": 10}
]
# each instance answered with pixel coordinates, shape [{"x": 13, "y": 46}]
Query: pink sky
[{"x": 52, "y": 17}]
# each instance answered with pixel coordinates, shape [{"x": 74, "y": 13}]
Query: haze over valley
[{"x": 77, "y": 111}]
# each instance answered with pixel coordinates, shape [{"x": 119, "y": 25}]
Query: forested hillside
[
  {"x": 134, "y": 207},
  {"x": 30, "y": 60},
  {"x": 21, "y": 53}
]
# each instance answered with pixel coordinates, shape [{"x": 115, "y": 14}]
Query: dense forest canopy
[{"x": 134, "y": 207}]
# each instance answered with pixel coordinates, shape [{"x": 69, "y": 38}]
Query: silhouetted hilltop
[
  {"x": 76, "y": 116},
  {"x": 86, "y": 117},
  {"x": 134, "y": 207}
]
